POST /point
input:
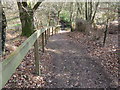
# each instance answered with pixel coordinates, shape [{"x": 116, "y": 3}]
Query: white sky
[{"x": 65, "y": 0}]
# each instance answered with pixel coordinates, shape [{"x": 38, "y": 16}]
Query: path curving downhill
[{"x": 71, "y": 67}]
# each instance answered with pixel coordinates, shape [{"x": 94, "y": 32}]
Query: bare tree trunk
[
  {"x": 58, "y": 17},
  {"x": 86, "y": 10},
  {"x": 0, "y": 28},
  {"x": 119, "y": 31},
  {"x": 92, "y": 19},
  {"x": 49, "y": 19},
  {"x": 26, "y": 17},
  {"x": 90, "y": 15},
  {"x": 3, "y": 27},
  {"x": 79, "y": 10},
  {"x": 71, "y": 12},
  {"x": 27, "y": 23},
  {"x": 105, "y": 33},
  {"x": 77, "y": 13}
]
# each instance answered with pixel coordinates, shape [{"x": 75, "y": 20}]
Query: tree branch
[
  {"x": 19, "y": 5},
  {"x": 95, "y": 12},
  {"x": 24, "y": 4},
  {"x": 78, "y": 8},
  {"x": 36, "y": 5}
]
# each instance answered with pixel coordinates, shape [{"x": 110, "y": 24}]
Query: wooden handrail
[{"x": 9, "y": 65}]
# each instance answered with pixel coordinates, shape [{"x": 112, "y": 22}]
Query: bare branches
[
  {"x": 95, "y": 12},
  {"x": 21, "y": 7},
  {"x": 78, "y": 8},
  {"x": 24, "y": 4},
  {"x": 36, "y": 5}
]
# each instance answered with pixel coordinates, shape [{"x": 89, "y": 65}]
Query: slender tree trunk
[
  {"x": 105, "y": 33},
  {"x": 58, "y": 17},
  {"x": 86, "y": 10},
  {"x": 3, "y": 27},
  {"x": 90, "y": 14},
  {"x": 119, "y": 30},
  {"x": 49, "y": 19},
  {"x": 77, "y": 13},
  {"x": 92, "y": 20},
  {"x": 0, "y": 28},
  {"x": 71, "y": 12},
  {"x": 79, "y": 10}
]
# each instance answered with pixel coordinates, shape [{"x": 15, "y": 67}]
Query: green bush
[{"x": 65, "y": 17}]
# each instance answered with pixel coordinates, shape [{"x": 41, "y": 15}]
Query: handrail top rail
[{"x": 42, "y": 30}]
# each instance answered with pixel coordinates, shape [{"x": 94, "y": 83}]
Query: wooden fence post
[
  {"x": 36, "y": 54},
  {"x": 49, "y": 32},
  {"x": 55, "y": 30},
  {"x": 52, "y": 31},
  {"x": 43, "y": 43},
  {"x": 45, "y": 37}
]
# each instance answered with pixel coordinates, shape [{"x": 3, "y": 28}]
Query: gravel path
[{"x": 71, "y": 67}]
